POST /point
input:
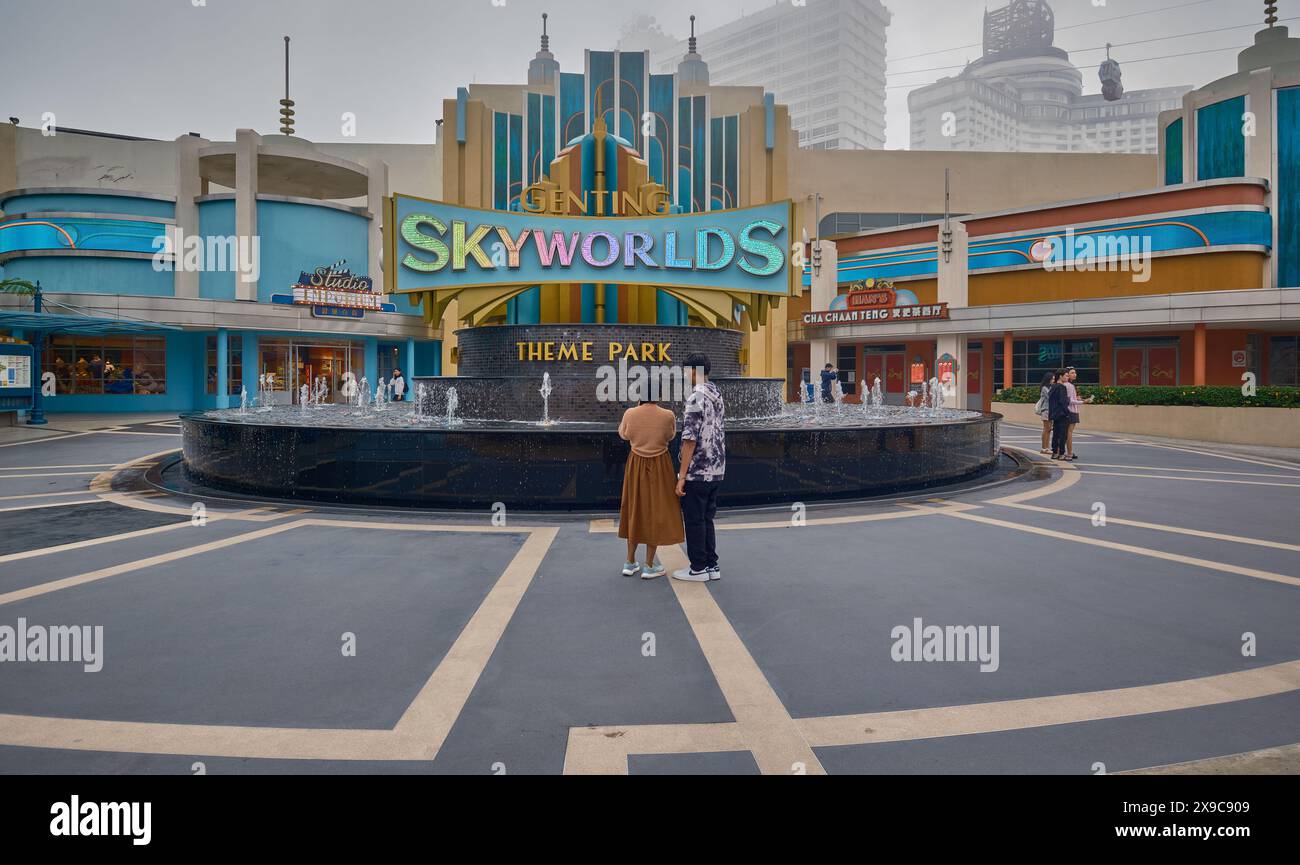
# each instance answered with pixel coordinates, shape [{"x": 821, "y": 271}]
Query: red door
[
  {"x": 1162, "y": 365},
  {"x": 895, "y": 376},
  {"x": 1128, "y": 366},
  {"x": 874, "y": 365},
  {"x": 974, "y": 367}
]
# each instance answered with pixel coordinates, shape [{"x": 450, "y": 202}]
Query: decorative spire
[
  {"x": 1270, "y": 12},
  {"x": 692, "y": 69},
  {"x": 543, "y": 68},
  {"x": 286, "y": 104}
]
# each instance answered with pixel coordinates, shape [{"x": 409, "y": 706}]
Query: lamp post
[{"x": 36, "y": 417}]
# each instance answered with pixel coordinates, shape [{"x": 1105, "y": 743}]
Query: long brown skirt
[{"x": 651, "y": 513}]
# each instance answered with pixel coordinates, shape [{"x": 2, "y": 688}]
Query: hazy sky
[{"x": 160, "y": 68}]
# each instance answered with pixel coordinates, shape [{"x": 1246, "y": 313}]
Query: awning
[{"x": 50, "y": 322}]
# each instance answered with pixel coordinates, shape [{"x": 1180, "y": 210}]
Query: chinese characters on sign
[{"x": 919, "y": 312}]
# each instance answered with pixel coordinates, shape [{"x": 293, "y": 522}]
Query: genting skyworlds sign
[{"x": 438, "y": 245}]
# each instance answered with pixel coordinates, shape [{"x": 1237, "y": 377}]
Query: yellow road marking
[
  {"x": 762, "y": 725},
  {"x": 1159, "y": 527},
  {"x": 418, "y": 735},
  {"x": 912, "y": 724},
  {"x": 1181, "y": 478},
  {"x": 1127, "y": 548}
]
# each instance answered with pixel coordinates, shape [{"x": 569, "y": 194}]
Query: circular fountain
[{"x": 531, "y": 422}]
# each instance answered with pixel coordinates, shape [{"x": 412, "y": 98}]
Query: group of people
[
  {"x": 1058, "y": 407},
  {"x": 662, "y": 505}
]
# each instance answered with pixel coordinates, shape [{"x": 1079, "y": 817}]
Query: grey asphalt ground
[{"x": 249, "y": 633}]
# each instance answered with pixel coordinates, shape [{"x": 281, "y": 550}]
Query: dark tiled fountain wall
[
  {"x": 493, "y": 351},
  {"x": 573, "y": 398},
  {"x": 552, "y": 468}
]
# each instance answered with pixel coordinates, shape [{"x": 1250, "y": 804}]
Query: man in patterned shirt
[{"x": 703, "y": 463}]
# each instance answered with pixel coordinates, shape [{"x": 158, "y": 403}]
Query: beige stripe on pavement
[
  {"x": 762, "y": 725},
  {"x": 1003, "y": 715}
]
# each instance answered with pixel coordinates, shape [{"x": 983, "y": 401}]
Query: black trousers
[
  {"x": 698, "y": 508},
  {"x": 1060, "y": 429}
]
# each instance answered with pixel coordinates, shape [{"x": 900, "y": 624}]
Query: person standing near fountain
[
  {"x": 703, "y": 464},
  {"x": 1040, "y": 409},
  {"x": 1071, "y": 374},
  {"x": 829, "y": 375},
  {"x": 1058, "y": 410},
  {"x": 650, "y": 513},
  {"x": 398, "y": 384}
]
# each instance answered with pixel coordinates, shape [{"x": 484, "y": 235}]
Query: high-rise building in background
[
  {"x": 825, "y": 60},
  {"x": 1023, "y": 94}
]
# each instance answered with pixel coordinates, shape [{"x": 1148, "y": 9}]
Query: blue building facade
[{"x": 221, "y": 265}]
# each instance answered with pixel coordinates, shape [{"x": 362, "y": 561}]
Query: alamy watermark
[
  {"x": 75, "y": 644},
  {"x": 212, "y": 253},
  {"x": 636, "y": 382},
  {"x": 955, "y": 643},
  {"x": 1091, "y": 251}
]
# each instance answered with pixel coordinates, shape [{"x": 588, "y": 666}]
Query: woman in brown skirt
[{"x": 650, "y": 513}]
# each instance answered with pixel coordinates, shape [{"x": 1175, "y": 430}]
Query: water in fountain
[
  {"x": 546, "y": 398},
  {"x": 419, "y": 401},
  {"x": 936, "y": 396},
  {"x": 837, "y": 394},
  {"x": 381, "y": 394},
  {"x": 304, "y": 397},
  {"x": 924, "y": 403},
  {"x": 452, "y": 401},
  {"x": 243, "y": 400},
  {"x": 877, "y": 396}
]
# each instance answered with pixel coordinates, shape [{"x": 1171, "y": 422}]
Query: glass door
[{"x": 331, "y": 362}]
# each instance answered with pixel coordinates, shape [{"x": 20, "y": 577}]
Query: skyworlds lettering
[{"x": 492, "y": 247}]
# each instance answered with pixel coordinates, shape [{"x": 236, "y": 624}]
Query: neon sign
[{"x": 439, "y": 245}]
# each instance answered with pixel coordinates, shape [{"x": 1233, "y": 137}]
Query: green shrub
[{"x": 1213, "y": 395}]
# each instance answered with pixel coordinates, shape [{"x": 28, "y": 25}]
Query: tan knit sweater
[{"x": 648, "y": 428}]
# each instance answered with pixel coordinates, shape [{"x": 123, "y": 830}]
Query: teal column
[
  {"x": 409, "y": 365},
  {"x": 372, "y": 362},
  {"x": 668, "y": 309},
  {"x": 437, "y": 357},
  {"x": 252, "y": 364},
  {"x": 223, "y": 368},
  {"x": 610, "y": 295}
]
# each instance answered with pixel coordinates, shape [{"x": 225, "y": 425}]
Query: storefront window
[
  {"x": 1032, "y": 358},
  {"x": 846, "y": 360},
  {"x": 107, "y": 364},
  {"x": 234, "y": 363},
  {"x": 1284, "y": 360}
]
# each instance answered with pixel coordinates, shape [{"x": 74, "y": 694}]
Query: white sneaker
[
  {"x": 691, "y": 576},
  {"x": 631, "y": 569},
  {"x": 715, "y": 572},
  {"x": 649, "y": 572}
]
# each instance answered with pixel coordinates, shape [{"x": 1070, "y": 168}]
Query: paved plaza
[{"x": 258, "y": 637}]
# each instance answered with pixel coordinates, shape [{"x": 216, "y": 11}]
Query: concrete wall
[
  {"x": 911, "y": 181},
  {"x": 1266, "y": 427}
]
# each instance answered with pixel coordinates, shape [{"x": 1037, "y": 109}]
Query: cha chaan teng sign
[
  {"x": 335, "y": 286},
  {"x": 442, "y": 246},
  {"x": 874, "y": 301}
]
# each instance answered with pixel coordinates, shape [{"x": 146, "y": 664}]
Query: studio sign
[
  {"x": 336, "y": 286},
  {"x": 441, "y": 245}
]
